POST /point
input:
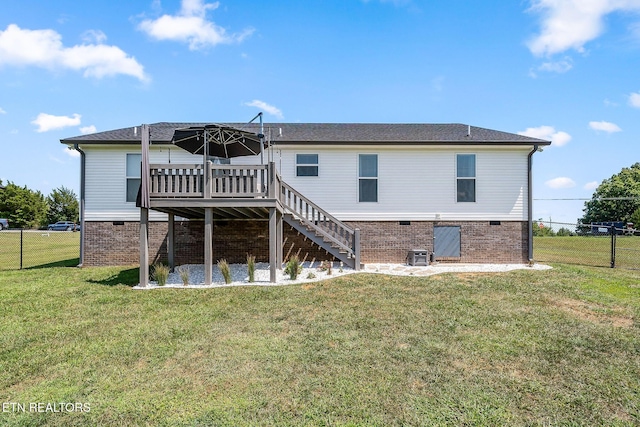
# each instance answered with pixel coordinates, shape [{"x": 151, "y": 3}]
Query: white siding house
[
  {"x": 413, "y": 184},
  {"x": 106, "y": 179},
  {"x": 399, "y": 185}
]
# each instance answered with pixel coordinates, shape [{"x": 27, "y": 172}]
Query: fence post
[
  {"x": 613, "y": 246},
  {"x": 21, "y": 247}
]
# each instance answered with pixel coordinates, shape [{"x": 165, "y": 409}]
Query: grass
[
  {"x": 588, "y": 250},
  {"x": 559, "y": 347},
  {"x": 40, "y": 249}
]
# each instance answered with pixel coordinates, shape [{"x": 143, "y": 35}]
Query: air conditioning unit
[{"x": 418, "y": 257}]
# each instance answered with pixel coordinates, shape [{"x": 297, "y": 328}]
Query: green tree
[
  {"x": 625, "y": 188},
  {"x": 63, "y": 205},
  {"x": 541, "y": 230},
  {"x": 563, "y": 231},
  {"x": 23, "y": 208},
  {"x": 635, "y": 218}
]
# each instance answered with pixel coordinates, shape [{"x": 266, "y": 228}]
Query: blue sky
[{"x": 565, "y": 70}]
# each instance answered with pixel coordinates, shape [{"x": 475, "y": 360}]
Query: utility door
[{"x": 446, "y": 241}]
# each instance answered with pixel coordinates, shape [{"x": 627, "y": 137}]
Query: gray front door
[{"x": 446, "y": 241}]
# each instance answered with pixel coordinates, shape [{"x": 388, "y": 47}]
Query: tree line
[
  {"x": 26, "y": 208},
  {"x": 615, "y": 199}
]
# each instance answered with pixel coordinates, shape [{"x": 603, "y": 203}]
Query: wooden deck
[{"x": 231, "y": 192}]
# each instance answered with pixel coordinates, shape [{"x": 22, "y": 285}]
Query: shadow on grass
[
  {"x": 72, "y": 262},
  {"x": 129, "y": 277}
]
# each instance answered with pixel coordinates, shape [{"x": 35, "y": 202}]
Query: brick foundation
[
  {"x": 388, "y": 241},
  {"x": 107, "y": 243},
  {"x": 381, "y": 241}
]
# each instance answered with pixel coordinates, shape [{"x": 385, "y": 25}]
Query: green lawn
[
  {"x": 529, "y": 347},
  {"x": 588, "y": 250},
  {"x": 40, "y": 249}
]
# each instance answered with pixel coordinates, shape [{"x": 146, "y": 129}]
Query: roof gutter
[
  {"x": 536, "y": 147},
  {"x": 82, "y": 198}
]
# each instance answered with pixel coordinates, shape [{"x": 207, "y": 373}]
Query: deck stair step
[
  {"x": 323, "y": 229},
  {"x": 318, "y": 239}
]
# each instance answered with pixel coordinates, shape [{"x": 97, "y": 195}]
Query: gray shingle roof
[{"x": 329, "y": 133}]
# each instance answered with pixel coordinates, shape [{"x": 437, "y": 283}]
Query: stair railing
[{"x": 313, "y": 216}]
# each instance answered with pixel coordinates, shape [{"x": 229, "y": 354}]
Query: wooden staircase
[{"x": 323, "y": 229}]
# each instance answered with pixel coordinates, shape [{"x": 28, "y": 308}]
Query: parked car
[
  {"x": 4, "y": 224},
  {"x": 62, "y": 226}
]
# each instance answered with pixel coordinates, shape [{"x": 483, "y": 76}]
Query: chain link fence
[
  {"x": 21, "y": 249},
  {"x": 609, "y": 244}
]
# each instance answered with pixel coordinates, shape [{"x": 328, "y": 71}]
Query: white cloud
[
  {"x": 2, "y": 111},
  {"x": 570, "y": 24},
  {"x": 560, "y": 182},
  {"x": 47, "y": 122},
  {"x": 94, "y": 36},
  {"x": 44, "y": 48},
  {"x": 634, "y": 100},
  {"x": 605, "y": 126},
  {"x": 270, "y": 109},
  {"x": 558, "y": 66},
  {"x": 191, "y": 26},
  {"x": 549, "y": 133},
  {"x": 591, "y": 185},
  {"x": 88, "y": 129},
  {"x": 71, "y": 152}
]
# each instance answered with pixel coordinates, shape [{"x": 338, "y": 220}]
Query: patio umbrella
[{"x": 217, "y": 140}]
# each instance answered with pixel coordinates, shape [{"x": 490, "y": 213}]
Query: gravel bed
[{"x": 312, "y": 272}]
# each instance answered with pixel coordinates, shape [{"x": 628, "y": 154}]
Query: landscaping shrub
[
  {"x": 160, "y": 273},
  {"x": 223, "y": 266},
  {"x": 293, "y": 267},
  {"x": 251, "y": 267},
  {"x": 184, "y": 272}
]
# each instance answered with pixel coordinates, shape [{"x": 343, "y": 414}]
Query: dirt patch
[{"x": 595, "y": 313}]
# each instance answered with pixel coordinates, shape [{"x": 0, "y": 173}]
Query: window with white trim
[
  {"x": 367, "y": 177},
  {"x": 306, "y": 165},
  {"x": 466, "y": 178},
  {"x": 134, "y": 162}
]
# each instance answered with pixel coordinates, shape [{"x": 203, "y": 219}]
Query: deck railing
[
  {"x": 188, "y": 180},
  {"x": 314, "y": 217},
  {"x": 251, "y": 181}
]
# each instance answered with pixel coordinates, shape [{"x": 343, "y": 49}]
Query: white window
[
  {"x": 134, "y": 162},
  {"x": 306, "y": 165},
  {"x": 466, "y": 178},
  {"x": 367, "y": 177}
]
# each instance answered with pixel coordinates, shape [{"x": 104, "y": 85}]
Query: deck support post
[
  {"x": 144, "y": 247},
  {"x": 356, "y": 248},
  {"x": 273, "y": 253},
  {"x": 171, "y": 242},
  {"x": 279, "y": 239},
  {"x": 208, "y": 245}
]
